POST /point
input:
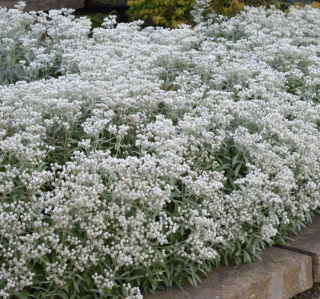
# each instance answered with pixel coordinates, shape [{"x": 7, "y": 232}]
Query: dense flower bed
[{"x": 156, "y": 153}]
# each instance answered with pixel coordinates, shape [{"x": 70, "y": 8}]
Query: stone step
[
  {"x": 308, "y": 242},
  {"x": 45, "y": 5},
  {"x": 280, "y": 274}
]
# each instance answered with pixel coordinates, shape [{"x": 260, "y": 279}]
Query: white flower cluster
[
  {"x": 159, "y": 146},
  {"x": 31, "y": 44}
]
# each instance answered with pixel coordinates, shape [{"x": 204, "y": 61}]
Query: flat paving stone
[
  {"x": 44, "y": 5},
  {"x": 280, "y": 275},
  {"x": 308, "y": 242}
]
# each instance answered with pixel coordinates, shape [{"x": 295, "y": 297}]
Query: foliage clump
[
  {"x": 31, "y": 44},
  {"x": 172, "y": 13},
  {"x": 157, "y": 153}
]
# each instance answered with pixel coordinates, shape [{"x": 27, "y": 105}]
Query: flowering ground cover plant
[
  {"x": 157, "y": 153},
  {"x": 31, "y": 44}
]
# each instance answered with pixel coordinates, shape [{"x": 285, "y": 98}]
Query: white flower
[{"x": 153, "y": 142}]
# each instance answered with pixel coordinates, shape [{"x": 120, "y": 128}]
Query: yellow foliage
[
  {"x": 174, "y": 24},
  {"x": 158, "y": 20},
  {"x": 315, "y": 4},
  {"x": 179, "y": 12},
  {"x": 135, "y": 2},
  {"x": 171, "y": 13},
  {"x": 277, "y": 4},
  {"x": 234, "y": 8},
  {"x": 238, "y": 5},
  {"x": 298, "y": 5},
  {"x": 182, "y": 2},
  {"x": 144, "y": 11}
]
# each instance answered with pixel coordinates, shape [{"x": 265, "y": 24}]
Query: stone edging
[
  {"x": 284, "y": 272},
  {"x": 307, "y": 242}
]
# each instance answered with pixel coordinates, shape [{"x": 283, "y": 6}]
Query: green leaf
[
  {"x": 237, "y": 170},
  {"x": 234, "y": 160},
  {"x": 246, "y": 257},
  {"x": 72, "y": 292},
  {"x": 76, "y": 283},
  {"x": 88, "y": 281},
  {"x": 176, "y": 281},
  {"x": 178, "y": 269},
  {"x": 190, "y": 280},
  {"x": 22, "y": 295},
  {"x": 94, "y": 291},
  {"x": 62, "y": 294},
  {"x": 168, "y": 272},
  {"x": 232, "y": 183},
  {"x": 134, "y": 277}
]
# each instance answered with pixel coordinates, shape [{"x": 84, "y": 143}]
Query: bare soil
[{"x": 313, "y": 293}]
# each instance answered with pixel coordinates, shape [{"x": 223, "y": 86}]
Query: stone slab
[
  {"x": 105, "y": 3},
  {"x": 280, "y": 275},
  {"x": 307, "y": 241},
  {"x": 44, "y": 5},
  {"x": 316, "y": 273}
]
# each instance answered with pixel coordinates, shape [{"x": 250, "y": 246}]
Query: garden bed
[{"x": 139, "y": 157}]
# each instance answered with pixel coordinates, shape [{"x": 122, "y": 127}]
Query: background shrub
[{"x": 171, "y": 13}]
